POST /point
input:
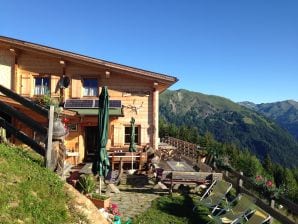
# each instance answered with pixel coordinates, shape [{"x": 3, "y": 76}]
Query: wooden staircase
[{"x": 31, "y": 123}]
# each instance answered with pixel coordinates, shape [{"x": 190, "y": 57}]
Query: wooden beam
[
  {"x": 22, "y": 100},
  {"x": 22, "y": 137},
  {"x": 23, "y": 117}
]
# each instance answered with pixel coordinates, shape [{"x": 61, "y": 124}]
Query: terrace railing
[
  {"x": 188, "y": 152},
  {"x": 287, "y": 214},
  {"x": 185, "y": 148},
  {"x": 287, "y": 211}
]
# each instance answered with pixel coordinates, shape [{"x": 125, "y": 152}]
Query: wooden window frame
[
  {"x": 83, "y": 87},
  {"x": 48, "y": 76},
  {"x": 138, "y": 134}
]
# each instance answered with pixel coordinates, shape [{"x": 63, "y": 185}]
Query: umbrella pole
[
  {"x": 99, "y": 185},
  {"x": 131, "y": 160}
]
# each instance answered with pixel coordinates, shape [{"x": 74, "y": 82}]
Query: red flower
[
  {"x": 113, "y": 209},
  {"x": 269, "y": 183},
  {"x": 65, "y": 120},
  {"x": 259, "y": 178}
]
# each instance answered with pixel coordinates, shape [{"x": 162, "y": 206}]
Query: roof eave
[{"x": 78, "y": 57}]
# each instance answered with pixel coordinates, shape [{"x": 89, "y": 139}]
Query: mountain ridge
[
  {"x": 229, "y": 122},
  {"x": 285, "y": 113}
]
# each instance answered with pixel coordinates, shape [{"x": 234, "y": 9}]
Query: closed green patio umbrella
[
  {"x": 132, "y": 145},
  {"x": 101, "y": 164}
]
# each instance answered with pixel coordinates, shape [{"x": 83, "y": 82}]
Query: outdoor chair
[
  {"x": 234, "y": 214},
  {"x": 258, "y": 217},
  {"x": 215, "y": 194}
]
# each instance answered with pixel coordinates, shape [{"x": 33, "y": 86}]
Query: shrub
[{"x": 86, "y": 184}]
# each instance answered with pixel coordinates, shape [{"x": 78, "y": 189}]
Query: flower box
[{"x": 100, "y": 201}]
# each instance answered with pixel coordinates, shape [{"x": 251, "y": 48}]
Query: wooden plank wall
[
  {"x": 130, "y": 90},
  {"x": 6, "y": 65}
]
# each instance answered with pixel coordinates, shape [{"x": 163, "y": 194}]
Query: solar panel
[
  {"x": 78, "y": 104},
  {"x": 115, "y": 103},
  {"x": 96, "y": 103},
  {"x": 74, "y": 103}
]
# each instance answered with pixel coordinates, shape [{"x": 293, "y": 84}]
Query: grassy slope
[
  {"x": 30, "y": 193},
  {"x": 177, "y": 209}
]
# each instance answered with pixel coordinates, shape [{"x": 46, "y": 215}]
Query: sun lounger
[
  {"x": 258, "y": 217},
  {"x": 236, "y": 213},
  {"x": 215, "y": 194}
]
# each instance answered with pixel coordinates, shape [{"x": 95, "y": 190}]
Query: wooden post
[
  {"x": 240, "y": 183},
  {"x": 100, "y": 185},
  {"x": 121, "y": 164},
  {"x": 272, "y": 203},
  {"x": 155, "y": 102},
  {"x": 113, "y": 166},
  {"x": 50, "y": 138},
  {"x": 171, "y": 187}
]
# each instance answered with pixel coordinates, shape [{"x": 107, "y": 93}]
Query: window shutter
[
  {"x": 54, "y": 85},
  {"x": 76, "y": 87},
  {"x": 25, "y": 84}
]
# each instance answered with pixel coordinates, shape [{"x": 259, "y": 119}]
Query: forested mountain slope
[
  {"x": 230, "y": 122},
  {"x": 285, "y": 113}
]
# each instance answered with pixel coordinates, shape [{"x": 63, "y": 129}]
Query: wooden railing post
[
  {"x": 239, "y": 183},
  {"x": 272, "y": 203},
  {"x": 171, "y": 187},
  {"x": 48, "y": 156}
]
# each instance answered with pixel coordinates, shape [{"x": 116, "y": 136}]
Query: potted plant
[
  {"x": 100, "y": 201},
  {"x": 87, "y": 186}
]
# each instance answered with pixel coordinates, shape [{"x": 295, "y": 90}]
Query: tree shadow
[{"x": 182, "y": 206}]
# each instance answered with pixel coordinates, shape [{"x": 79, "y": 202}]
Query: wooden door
[{"x": 91, "y": 142}]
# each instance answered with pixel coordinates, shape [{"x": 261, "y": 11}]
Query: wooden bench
[{"x": 128, "y": 158}]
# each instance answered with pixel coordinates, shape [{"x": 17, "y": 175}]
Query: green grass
[
  {"x": 176, "y": 209},
  {"x": 29, "y": 192}
]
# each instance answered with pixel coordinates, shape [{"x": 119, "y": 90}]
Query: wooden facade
[{"x": 24, "y": 65}]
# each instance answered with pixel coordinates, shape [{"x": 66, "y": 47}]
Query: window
[
  {"x": 90, "y": 87},
  {"x": 127, "y": 135},
  {"x": 42, "y": 85}
]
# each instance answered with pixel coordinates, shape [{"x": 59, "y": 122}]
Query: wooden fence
[
  {"x": 245, "y": 185},
  {"x": 242, "y": 184},
  {"x": 185, "y": 148},
  {"x": 188, "y": 151}
]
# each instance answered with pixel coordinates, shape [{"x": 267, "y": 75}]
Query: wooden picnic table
[
  {"x": 173, "y": 179},
  {"x": 171, "y": 174}
]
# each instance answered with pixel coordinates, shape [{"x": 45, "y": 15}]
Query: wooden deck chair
[
  {"x": 258, "y": 217},
  {"x": 236, "y": 213},
  {"x": 215, "y": 194}
]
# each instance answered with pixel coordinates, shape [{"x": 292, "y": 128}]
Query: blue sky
[{"x": 241, "y": 50}]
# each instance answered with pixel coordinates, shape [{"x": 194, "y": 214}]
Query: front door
[{"x": 91, "y": 142}]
